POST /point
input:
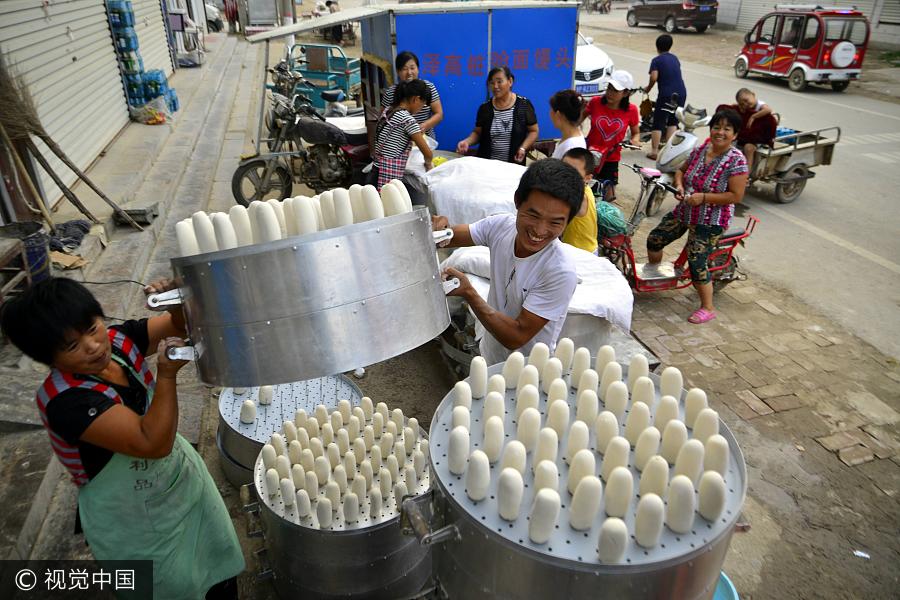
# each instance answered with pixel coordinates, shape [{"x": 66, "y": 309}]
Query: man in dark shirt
[{"x": 665, "y": 70}]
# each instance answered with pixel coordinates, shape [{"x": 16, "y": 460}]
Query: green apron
[{"x": 167, "y": 510}]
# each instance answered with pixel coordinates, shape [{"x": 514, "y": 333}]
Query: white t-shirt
[
  {"x": 542, "y": 283},
  {"x": 567, "y": 144}
]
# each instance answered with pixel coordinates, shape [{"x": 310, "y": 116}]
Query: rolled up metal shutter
[
  {"x": 752, "y": 11},
  {"x": 66, "y": 57},
  {"x": 151, "y": 32},
  {"x": 890, "y": 13}
]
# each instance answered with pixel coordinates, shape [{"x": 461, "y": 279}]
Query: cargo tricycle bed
[{"x": 788, "y": 161}]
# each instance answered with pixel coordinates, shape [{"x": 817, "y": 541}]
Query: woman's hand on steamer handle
[
  {"x": 163, "y": 284},
  {"x": 165, "y": 366}
]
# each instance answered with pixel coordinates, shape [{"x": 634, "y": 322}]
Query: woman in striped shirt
[
  {"x": 397, "y": 130},
  {"x": 431, "y": 112},
  {"x": 709, "y": 183},
  {"x": 144, "y": 493},
  {"x": 506, "y": 125}
]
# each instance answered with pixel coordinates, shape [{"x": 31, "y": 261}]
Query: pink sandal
[{"x": 701, "y": 315}]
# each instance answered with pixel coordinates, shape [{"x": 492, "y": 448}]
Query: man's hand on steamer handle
[{"x": 465, "y": 289}]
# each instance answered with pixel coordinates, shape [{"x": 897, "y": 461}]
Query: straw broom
[
  {"x": 21, "y": 173},
  {"x": 21, "y": 121}
]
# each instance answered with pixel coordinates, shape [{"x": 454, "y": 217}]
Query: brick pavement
[{"x": 766, "y": 353}]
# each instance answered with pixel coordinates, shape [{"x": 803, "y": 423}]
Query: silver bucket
[{"x": 313, "y": 305}]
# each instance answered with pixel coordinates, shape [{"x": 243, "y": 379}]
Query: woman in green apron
[{"x": 143, "y": 491}]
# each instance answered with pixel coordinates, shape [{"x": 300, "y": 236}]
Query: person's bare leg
[
  {"x": 670, "y": 131},
  {"x": 749, "y": 153},
  {"x": 705, "y": 291},
  {"x": 655, "y": 136}
]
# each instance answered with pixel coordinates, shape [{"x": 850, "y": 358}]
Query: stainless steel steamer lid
[
  {"x": 316, "y": 304},
  {"x": 567, "y": 547}
]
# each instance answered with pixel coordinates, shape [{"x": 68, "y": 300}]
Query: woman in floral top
[{"x": 709, "y": 184}]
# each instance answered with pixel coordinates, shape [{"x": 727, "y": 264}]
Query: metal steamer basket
[
  {"x": 240, "y": 443},
  {"x": 312, "y": 305},
  {"x": 371, "y": 559},
  {"x": 481, "y": 555}
]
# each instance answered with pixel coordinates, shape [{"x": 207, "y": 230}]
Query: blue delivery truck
[{"x": 457, "y": 44}]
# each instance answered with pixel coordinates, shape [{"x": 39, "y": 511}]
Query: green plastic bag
[{"x": 610, "y": 220}]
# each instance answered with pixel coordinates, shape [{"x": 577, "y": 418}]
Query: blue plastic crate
[
  {"x": 126, "y": 39},
  {"x": 134, "y": 84},
  {"x": 136, "y": 100},
  {"x": 155, "y": 83},
  {"x": 132, "y": 63},
  {"x": 121, "y": 13},
  {"x": 172, "y": 100}
]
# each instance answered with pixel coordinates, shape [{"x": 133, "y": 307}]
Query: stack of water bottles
[{"x": 140, "y": 86}]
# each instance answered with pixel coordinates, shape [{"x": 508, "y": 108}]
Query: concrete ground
[{"x": 816, "y": 411}]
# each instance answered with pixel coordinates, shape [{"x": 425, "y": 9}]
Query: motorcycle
[
  {"x": 600, "y": 6},
  {"x": 722, "y": 262},
  {"x": 677, "y": 148},
  {"x": 305, "y": 148}
]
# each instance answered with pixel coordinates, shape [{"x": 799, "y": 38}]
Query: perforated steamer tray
[
  {"x": 568, "y": 547},
  {"x": 389, "y": 510},
  {"x": 243, "y": 441}
]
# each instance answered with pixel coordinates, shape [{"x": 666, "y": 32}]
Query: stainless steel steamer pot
[
  {"x": 313, "y": 305},
  {"x": 369, "y": 559},
  {"x": 479, "y": 555}
]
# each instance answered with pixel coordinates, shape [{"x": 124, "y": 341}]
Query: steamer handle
[
  {"x": 164, "y": 300},
  {"x": 414, "y": 522},
  {"x": 181, "y": 353},
  {"x": 442, "y": 237},
  {"x": 450, "y": 285}
]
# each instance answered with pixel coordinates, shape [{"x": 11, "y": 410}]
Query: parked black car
[{"x": 699, "y": 14}]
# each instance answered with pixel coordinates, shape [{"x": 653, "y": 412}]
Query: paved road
[{"x": 837, "y": 247}]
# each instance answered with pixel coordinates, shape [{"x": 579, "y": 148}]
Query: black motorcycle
[{"x": 304, "y": 148}]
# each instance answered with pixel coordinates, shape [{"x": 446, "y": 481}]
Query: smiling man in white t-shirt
[{"x": 532, "y": 280}]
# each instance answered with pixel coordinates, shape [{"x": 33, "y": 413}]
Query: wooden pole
[
  {"x": 25, "y": 175},
  {"x": 71, "y": 197},
  {"x": 83, "y": 176}
]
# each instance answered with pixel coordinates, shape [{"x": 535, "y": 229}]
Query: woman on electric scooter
[
  {"x": 612, "y": 117},
  {"x": 709, "y": 184}
]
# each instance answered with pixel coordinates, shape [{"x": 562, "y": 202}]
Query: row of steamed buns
[{"x": 271, "y": 220}]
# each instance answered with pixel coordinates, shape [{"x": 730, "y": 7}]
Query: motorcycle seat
[
  {"x": 353, "y": 127},
  {"x": 733, "y": 231},
  {"x": 332, "y": 95}
]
